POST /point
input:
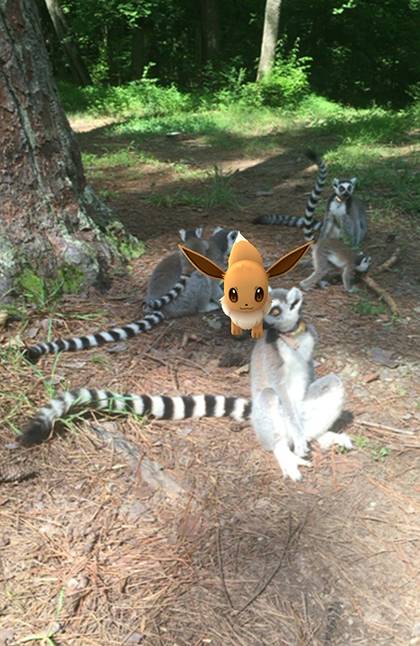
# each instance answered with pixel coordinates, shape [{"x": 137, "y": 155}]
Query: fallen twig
[
  {"x": 293, "y": 536},
  {"x": 387, "y": 264},
  {"x": 222, "y": 573},
  {"x": 390, "y": 429},
  {"x": 380, "y": 291}
]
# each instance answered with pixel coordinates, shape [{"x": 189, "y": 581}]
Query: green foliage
[
  {"x": 287, "y": 83},
  {"x": 43, "y": 292},
  {"x": 380, "y": 453},
  {"x": 377, "y": 452},
  {"x": 126, "y": 244},
  {"x": 366, "y": 307},
  {"x": 365, "y": 52},
  {"x": 33, "y": 286},
  {"x": 218, "y": 193},
  {"x": 137, "y": 97},
  {"x": 360, "y": 441},
  {"x": 284, "y": 86}
]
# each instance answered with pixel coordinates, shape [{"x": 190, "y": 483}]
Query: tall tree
[
  {"x": 46, "y": 209},
  {"x": 79, "y": 69},
  {"x": 209, "y": 30},
  {"x": 269, "y": 39}
]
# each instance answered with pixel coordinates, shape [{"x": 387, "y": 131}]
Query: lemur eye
[
  {"x": 233, "y": 295},
  {"x": 293, "y": 305},
  {"x": 259, "y": 294},
  {"x": 276, "y": 311}
]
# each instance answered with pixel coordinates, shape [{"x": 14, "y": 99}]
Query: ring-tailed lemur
[
  {"x": 307, "y": 222},
  {"x": 178, "y": 294},
  {"x": 346, "y": 217},
  {"x": 289, "y": 407},
  {"x": 328, "y": 254},
  {"x": 345, "y": 214}
]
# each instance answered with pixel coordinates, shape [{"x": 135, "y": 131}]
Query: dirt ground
[{"x": 191, "y": 536}]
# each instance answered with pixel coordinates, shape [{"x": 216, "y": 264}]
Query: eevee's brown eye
[
  {"x": 233, "y": 295},
  {"x": 259, "y": 294}
]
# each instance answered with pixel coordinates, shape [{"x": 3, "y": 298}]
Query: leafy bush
[
  {"x": 287, "y": 83},
  {"x": 284, "y": 86},
  {"x": 138, "y": 97}
]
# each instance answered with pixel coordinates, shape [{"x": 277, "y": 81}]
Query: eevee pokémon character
[{"x": 246, "y": 297}]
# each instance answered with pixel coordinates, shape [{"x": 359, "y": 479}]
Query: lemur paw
[
  {"x": 304, "y": 285},
  {"x": 301, "y": 447},
  {"x": 289, "y": 462},
  {"x": 290, "y": 467},
  {"x": 329, "y": 439}
]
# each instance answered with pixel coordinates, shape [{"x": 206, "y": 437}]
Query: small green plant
[
  {"x": 32, "y": 286},
  {"x": 366, "y": 307},
  {"x": 379, "y": 454},
  {"x": 219, "y": 192},
  {"x": 126, "y": 244},
  {"x": 360, "y": 441},
  {"x": 43, "y": 292}
]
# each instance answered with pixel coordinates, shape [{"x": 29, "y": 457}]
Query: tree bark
[
  {"x": 62, "y": 30},
  {"x": 46, "y": 209},
  {"x": 209, "y": 30},
  {"x": 269, "y": 39},
  {"x": 140, "y": 49}
]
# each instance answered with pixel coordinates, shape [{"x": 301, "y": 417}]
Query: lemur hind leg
[
  {"x": 312, "y": 280},
  {"x": 322, "y": 407},
  {"x": 270, "y": 424}
]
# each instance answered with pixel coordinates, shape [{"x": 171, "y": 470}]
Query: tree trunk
[
  {"x": 46, "y": 209},
  {"x": 209, "y": 30},
  {"x": 140, "y": 49},
  {"x": 269, "y": 39},
  {"x": 77, "y": 65}
]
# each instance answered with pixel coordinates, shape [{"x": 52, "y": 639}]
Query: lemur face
[
  {"x": 343, "y": 188},
  {"x": 285, "y": 308},
  {"x": 363, "y": 262}
]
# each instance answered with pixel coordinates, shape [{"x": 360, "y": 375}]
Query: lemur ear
[
  {"x": 354, "y": 181},
  {"x": 287, "y": 262},
  {"x": 202, "y": 263},
  {"x": 182, "y": 234}
]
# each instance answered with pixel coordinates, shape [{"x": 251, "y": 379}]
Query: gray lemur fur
[
  {"x": 346, "y": 216},
  {"x": 201, "y": 293},
  {"x": 330, "y": 254},
  {"x": 290, "y": 407}
]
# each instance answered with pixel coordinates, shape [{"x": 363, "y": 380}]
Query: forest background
[{"x": 359, "y": 52}]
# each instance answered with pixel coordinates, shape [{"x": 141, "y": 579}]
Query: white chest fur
[
  {"x": 296, "y": 357},
  {"x": 337, "y": 209}
]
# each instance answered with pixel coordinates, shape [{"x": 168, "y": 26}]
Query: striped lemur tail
[
  {"x": 307, "y": 222},
  {"x": 121, "y": 333},
  {"x": 40, "y": 426}
]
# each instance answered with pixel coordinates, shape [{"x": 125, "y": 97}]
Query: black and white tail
[
  {"x": 75, "y": 343},
  {"x": 180, "y": 407},
  {"x": 307, "y": 222},
  {"x": 121, "y": 333},
  {"x": 170, "y": 296}
]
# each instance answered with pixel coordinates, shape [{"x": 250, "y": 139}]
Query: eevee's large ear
[
  {"x": 287, "y": 262},
  {"x": 203, "y": 264}
]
